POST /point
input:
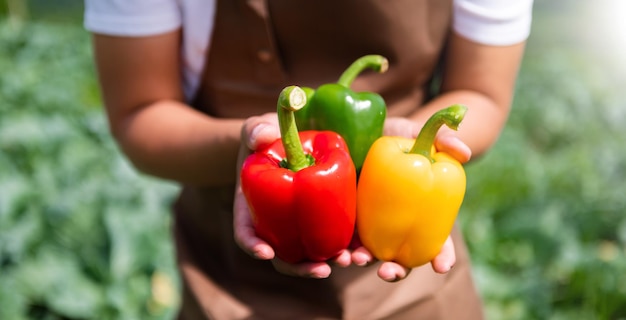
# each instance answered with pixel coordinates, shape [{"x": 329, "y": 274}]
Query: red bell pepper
[{"x": 301, "y": 189}]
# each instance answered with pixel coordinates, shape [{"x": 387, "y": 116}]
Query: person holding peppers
[{"x": 190, "y": 89}]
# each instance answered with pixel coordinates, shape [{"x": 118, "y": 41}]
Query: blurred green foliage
[
  {"x": 545, "y": 213},
  {"x": 84, "y": 236}
]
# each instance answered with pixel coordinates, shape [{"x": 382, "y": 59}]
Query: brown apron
[{"x": 257, "y": 48}]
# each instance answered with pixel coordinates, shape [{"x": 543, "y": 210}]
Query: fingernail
[
  {"x": 257, "y": 129},
  {"x": 320, "y": 273},
  {"x": 254, "y": 134},
  {"x": 361, "y": 262},
  {"x": 262, "y": 254},
  {"x": 262, "y": 134}
]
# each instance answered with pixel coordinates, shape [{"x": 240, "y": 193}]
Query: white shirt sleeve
[
  {"x": 135, "y": 18},
  {"x": 493, "y": 22},
  {"x": 132, "y": 18}
]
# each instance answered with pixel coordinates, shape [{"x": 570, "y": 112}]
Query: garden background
[{"x": 85, "y": 236}]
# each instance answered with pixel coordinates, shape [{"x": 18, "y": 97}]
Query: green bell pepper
[{"x": 358, "y": 117}]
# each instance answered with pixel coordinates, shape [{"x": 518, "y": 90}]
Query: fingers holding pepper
[
  {"x": 256, "y": 132},
  {"x": 301, "y": 189},
  {"x": 446, "y": 140},
  {"x": 393, "y": 272}
]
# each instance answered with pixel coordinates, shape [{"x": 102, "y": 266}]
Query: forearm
[
  {"x": 482, "y": 78},
  {"x": 140, "y": 79},
  {"x": 168, "y": 139}
]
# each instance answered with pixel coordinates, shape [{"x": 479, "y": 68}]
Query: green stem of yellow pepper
[
  {"x": 291, "y": 99},
  {"x": 450, "y": 116},
  {"x": 375, "y": 62}
]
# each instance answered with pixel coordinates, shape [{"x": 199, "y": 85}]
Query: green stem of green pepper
[
  {"x": 376, "y": 62},
  {"x": 291, "y": 99},
  {"x": 450, "y": 116}
]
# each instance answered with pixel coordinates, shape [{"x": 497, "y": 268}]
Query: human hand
[
  {"x": 392, "y": 272},
  {"x": 446, "y": 141},
  {"x": 258, "y": 132}
]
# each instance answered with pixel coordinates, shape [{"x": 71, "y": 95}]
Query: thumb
[
  {"x": 454, "y": 146},
  {"x": 260, "y": 131},
  {"x": 262, "y": 135}
]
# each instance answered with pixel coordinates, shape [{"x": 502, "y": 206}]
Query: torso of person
[{"x": 257, "y": 48}]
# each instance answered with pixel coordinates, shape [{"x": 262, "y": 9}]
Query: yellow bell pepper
[{"x": 409, "y": 194}]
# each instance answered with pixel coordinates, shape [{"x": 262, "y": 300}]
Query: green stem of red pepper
[
  {"x": 450, "y": 116},
  {"x": 375, "y": 62},
  {"x": 291, "y": 99}
]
